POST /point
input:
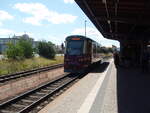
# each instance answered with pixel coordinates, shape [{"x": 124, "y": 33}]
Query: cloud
[
  {"x": 5, "y": 33},
  {"x": 40, "y": 13},
  {"x": 4, "y": 16},
  {"x": 90, "y": 32},
  {"x": 21, "y": 33},
  {"x": 57, "y": 39},
  {"x": 69, "y": 1},
  {"x": 95, "y": 35}
]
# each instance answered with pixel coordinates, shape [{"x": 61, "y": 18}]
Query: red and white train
[{"x": 80, "y": 52}]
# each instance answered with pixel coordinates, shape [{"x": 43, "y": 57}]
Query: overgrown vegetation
[
  {"x": 14, "y": 52},
  {"x": 106, "y": 50},
  {"x": 13, "y": 66},
  {"x": 22, "y": 49},
  {"x": 46, "y": 49},
  {"x": 26, "y": 47},
  {"x": 20, "y": 56}
]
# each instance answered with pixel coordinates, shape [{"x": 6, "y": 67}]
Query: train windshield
[{"x": 74, "y": 47}]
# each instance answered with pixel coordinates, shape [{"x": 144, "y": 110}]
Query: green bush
[
  {"x": 46, "y": 49},
  {"x": 14, "y": 52},
  {"x": 26, "y": 47},
  {"x": 105, "y": 50},
  {"x": 22, "y": 49}
]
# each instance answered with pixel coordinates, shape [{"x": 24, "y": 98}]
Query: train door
[
  {"x": 85, "y": 47},
  {"x": 93, "y": 51},
  {"x": 89, "y": 50}
]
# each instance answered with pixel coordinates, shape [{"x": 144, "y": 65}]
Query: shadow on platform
[
  {"x": 94, "y": 68},
  {"x": 99, "y": 68},
  {"x": 133, "y": 91}
]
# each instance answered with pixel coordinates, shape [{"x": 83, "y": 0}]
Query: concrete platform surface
[
  {"x": 125, "y": 90},
  {"x": 80, "y": 97},
  {"x": 106, "y": 100},
  {"x": 116, "y": 90}
]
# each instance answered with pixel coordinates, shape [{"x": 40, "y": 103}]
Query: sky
[{"x": 50, "y": 20}]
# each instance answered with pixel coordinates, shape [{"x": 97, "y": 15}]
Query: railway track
[
  {"x": 4, "y": 78},
  {"x": 25, "y": 102}
]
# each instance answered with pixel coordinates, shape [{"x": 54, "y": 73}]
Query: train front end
[{"x": 75, "y": 60}]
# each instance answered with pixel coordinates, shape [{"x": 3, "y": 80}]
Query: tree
[
  {"x": 110, "y": 50},
  {"x": 46, "y": 49},
  {"x": 104, "y": 50},
  {"x": 26, "y": 46},
  {"x": 14, "y": 52},
  {"x": 22, "y": 49}
]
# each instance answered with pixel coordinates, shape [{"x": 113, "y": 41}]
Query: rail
[
  {"x": 25, "y": 102},
  {"x": 4, "y": 78}
]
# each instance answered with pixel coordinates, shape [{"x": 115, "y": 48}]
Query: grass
[
  {"x": 13, "y": 66},
  {"x": 106, "y": 54}
]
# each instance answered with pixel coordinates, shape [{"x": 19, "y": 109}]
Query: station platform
[{"x": 106, "y": 90}]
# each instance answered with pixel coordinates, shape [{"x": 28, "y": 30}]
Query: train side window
[
  {"x": 85, "y": 47},
  {"x": 94, "y": 48},
  {"x": 89, "y": 47}
]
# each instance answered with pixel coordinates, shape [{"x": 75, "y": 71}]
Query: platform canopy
[{"x": 119, "y": 19}]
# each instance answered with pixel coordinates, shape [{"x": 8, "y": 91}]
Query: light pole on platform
[{"x": 85, "y": 27}]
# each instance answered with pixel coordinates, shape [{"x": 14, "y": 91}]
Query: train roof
[{"x": 81, "y": 36}]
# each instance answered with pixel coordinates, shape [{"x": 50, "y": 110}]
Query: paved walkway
[
  {"x": 106, "y": 100},
  {"x": 72, "y": 100},
  {"x": 127, "y": 91},
  {"x": 122, "y": 91}
]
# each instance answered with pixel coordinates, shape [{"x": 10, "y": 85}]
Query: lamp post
[{"x": 85, "y": 27}]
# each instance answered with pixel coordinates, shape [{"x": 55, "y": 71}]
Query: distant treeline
[{"x": 24, "y": 49}]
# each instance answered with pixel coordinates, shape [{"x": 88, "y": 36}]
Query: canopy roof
[{"x": 119, "y": 20}]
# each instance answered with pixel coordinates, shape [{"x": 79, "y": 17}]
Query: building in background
[{"x": 4, "y": 41}]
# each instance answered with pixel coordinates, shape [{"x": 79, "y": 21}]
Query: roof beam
[
  {"x": 125, "y": 20},
  {"x": 92, "y": 14},
  {"x": 114, "y": 34}
]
